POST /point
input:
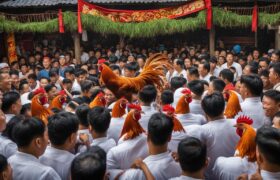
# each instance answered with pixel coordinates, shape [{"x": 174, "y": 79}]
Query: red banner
[
  {"x": 255, "y": 19},
  {"x": 12, "y": 53}
]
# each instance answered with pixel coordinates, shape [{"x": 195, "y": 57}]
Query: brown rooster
[
  {"x": 59, "y": 100},
  {"x": 119, "y": 108},
  {"x": 38, "y": 109},
  {"x": 99, "y": 100},
  {"x": 182, "y": 106},
  {"x": 131, "y": 127},
  {"x": 233, "y": 106},
  {"x": 169, "y": 111},
  {"x": 246, "y": 145},
  {"x": 153, "y": 73}
]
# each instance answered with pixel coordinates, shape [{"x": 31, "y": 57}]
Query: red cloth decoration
[
  {"x": 255, "y": 18},
  {"x": 135, "y": 106},
  {"x": 80, "y": 29},
  {"x": 60, "y": 21},
  {"x": 101, "y": 61},
  {"x": 209, "y": 14}
]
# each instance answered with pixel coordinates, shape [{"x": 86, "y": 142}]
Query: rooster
[
  {"x": 246, "y": 145},
  {"x": 182, "y": 106},
  {"x": 99, "y": 100},
  {"x": 131, "y": 127},
  {"x": 119, "y": 108},
  {"x": 153, "y": 73},
  {"x": 38, "y": 103},
  {"x": 233, "y": 106},
  {"x": 169, "y": 111},
  {"x": 59, "y": 100}
]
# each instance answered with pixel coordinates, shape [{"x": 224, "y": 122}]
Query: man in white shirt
[
  {"x": 11, "y": 105},
  {"x": 62, "y": 131},
  {"x": 274, "y": 76},
  {"x": 147, "y": 95},
  {"x": 99, "y": 121},
  {"x": 204, "y": 69},
  {"x": 197, "y": 89},
  {"x": 218, "y": 134},
  {"x": 214, "y": 69},
  {"x": 271, "y": 104},
  {"x": 192, "y": 158},
  {"x": 159, "y": 162},
  {"x": 31, "y": 138},
  {"x": 178, "y": 65},
  {"x": 251, "y": 90},
  {"x": 230, "y": 63},
  {"x": 84, "y": 56},
  {"x": 80, "y": 76}
]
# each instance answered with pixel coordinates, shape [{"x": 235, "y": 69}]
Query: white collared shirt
[
  {"x": 105, "y": 143},
  {"x": 196, "y": 108},
  {"x": 76, "y": 86},
  {"x": 266, "y": 175},
  {"x": 59, "y": 160},
  {"x": 9, "y": 117},
  {"x": 175, "y": 140},
  {"x": 191, "y": 119},
  {"x": 206, "y": 78},
  {"x": 145, "y": 117},
  {"x": 28, "y": 167},
  {"x": 237, "y": 66},
  {"x": 184, "y": 178},
  {"x": 115, "y": 128},
  {"x": 162, "y": 166},
  {"x": 7, "y": 147}
]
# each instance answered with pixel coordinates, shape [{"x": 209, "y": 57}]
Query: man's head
[
  {"x": 62, "y": 130},
  {"x": 32, "y": 81},
  {"x": 177, "y": 82},
  {"x": 31, "y": 135},
  {"x": 167, "y": 97},
  {"x": 46, "y": 62},
  {"x": 54, "y": 75},
  {"x": 130, "y": 69},
  {"x": 14, "y": 74},
  {"x": 251, "y": 68},
  {"x": 99, "y": 119},
  {"x": 192, "y": 155},
  {"x": 192, "y": 74},
  {"x": 44, "y": 82},
  {"x": 268, "y": 148},
  {"x": 11, "y": 103},
  {"x": 213, "y": 105},
  {"x": 229, "y": 58},
  {"x": 69, "y": 73},
  {"x": 196, "y": 87},
  {"x": 203, "y": 69},
  {"x": 264, "y": 75},
  {"x": 141, "y": 61},
  {"x": 256, "y": 54},
  {"x": 148, "y": 94},
  {"x": 275, "y": 57},
  {"x": 160, "y": 128},
  {"x": 5, "y": 81},
  {"x": 178, "y": 64},
  {"x": 251, "y": 86},
  {"x": 81, "y": 75},
  {"x": 67, "y": 84},
  {"x": 227, "y": 76},
  {"x": 276, "y": 120},
  {"x": 89, "y": 165},
  {"x": 263, "y": 63},
  {"x": 271, "y": 102},
  {"x": 86, "y": 86},
  {"x": 274, "y": 73},
  {"x": 82, "y": 113},
  {"x": 116, "y": 69},
  {"x": 216, "y": 85}
]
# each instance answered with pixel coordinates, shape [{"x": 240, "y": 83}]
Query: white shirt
[
  {"x": 9, "y": 117},
  {"x": 76, "y": 86},
  {"x": 217, "y": 71},
  {"x": 145, "y": 117},
  {"x": 183, "y": 74},
  {"x": 175, "y": 140},
  {"x": 105, "y": 143},
  {"x": 59, "y": 160},
  {"x": 28, "y": 167},
  {"x": 232, "y": 167},
  {"x": 123, "y": 155},
  {"x": 195, "y": 107},
  {"x": 220, "y": 138},
  {"x": 253, "y": 108},
  {"x": 83, "y": 148},
  {"x": 24, "y": 98},
  {"x": 191, "y": 119},
  {"x": 206, "y": 78},
  {"x": 115, "y": 128},
  {"x": 162, "y": 166},
  {"x": 7, "y": 147},
  {"x": 84, "y": 57},
  {"x": 237, "y": 66},
  {"x": 184, "y": 178},
  {"x": 266, "y": 175}
]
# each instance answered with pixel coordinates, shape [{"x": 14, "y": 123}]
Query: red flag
[
  {"x": 255, "y": 18},
  {"x": 80, "y": 30},
  {"x": 60, "y": 21},
  {"x": 209, "y": 14}
]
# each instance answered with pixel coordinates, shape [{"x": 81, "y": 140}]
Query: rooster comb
[
  {"x": 101, "y": 94},
  {"x": 186, "y": 91},
  {"x": 135, "y": 106},
  {"x": 168, "y": 108},
  {"x": 62, "y": 92},
  {"x": 39, "y": 91},
  {"x": 244, "y": 119}
]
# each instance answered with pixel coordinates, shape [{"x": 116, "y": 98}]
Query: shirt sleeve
[
  {"x": 51, "y": 174},
  {"x": 133, "y": 174},
  {"x": 10, "y": 149},
  {"x": 112, "y": 162}
]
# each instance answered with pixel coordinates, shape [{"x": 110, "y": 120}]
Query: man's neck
[
  {"x": 179, "y": 70},
  {"x": 229, "y": 64},
  {"x": 217, "y": 118},
  {"x": 61, "y": 147},
  {"x": 154, "y": 150},
  {"x": 270, "y": 167},
  {"x": 195, "y": 175},
  {"x": 28, "y": 150}
]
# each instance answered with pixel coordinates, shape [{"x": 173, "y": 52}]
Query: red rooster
[
  {"x": 119, "y": 108},
  {"x": 153, "y": 73},
  {"x": 59, "y": 100},
  {"x": 233, "y": 106},
  {"x": 182, "y": 106},
  {"x": 169, "y": 111},
  {"x": 99, "y": 100}
]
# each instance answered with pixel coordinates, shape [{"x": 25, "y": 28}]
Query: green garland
[{"x": 102, "y": 25}]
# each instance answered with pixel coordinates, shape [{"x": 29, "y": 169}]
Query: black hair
[
  {"x": 80, "y": 72},
  {"x": 113, "y": 59},
  {"x": 193, "y": 71},
  {"x": 61, "y": 126},
  {"x": 264, "y": 73},
  {"x": 160, "y": 128},
  {"x": 167, "y": 97},
  {"x": 213, "y": 105},
  {"x": 115, "y": 67},
  {"x": 82, "y": 113},
  {"x": 177, "y": 82},
  {"x": 254, "y": 66},
  {"x": 99, "y": 118},
  {"x": 206, "y": 66},
  {"x": 54, "y": 72},
  {"x": 192, "y": 154},
  {"x": 273, "y": 94},
  {"x": 197, "y": 87},
  {"x": 72, "y": 105},
  {"x": 213, "y": 59},
  {"x": 22, "y": 83},
  {"x": 89, "y": 165},
  {"x": 8, "y": 132},
  {"x": 25, "y": 108},
  {"x": 132, "y": 66},
  {"x": 49, "y": 87},
  {"x": 227, "y": 74},
  {"x": 218, "y": 85},
  {"x": 277, "y": 114},
  {"x": 9, "y": 98},
  {"x": 276, "y": 68},
  {"x": 264, "y": 59},
  {"x": 69, "y": 70},
  {"x": 32, "y": 76},
  {"x": 180, "y": 62},
  {"x": 66, "y": 81},
  {"x": 268, "y": 143},
  {"x": 253, "y": 83},
  {"x": 44, "y": 78},
  {"x": 86, "y": 85},
  {"x": 14, "y": 72},
  {"x": 3, "y": 163},
  {"x": 148, "y": 94},
  {"x": 28, "y": 129}
]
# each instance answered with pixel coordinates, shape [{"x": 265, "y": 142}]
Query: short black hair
[
  {"x": 197, "y": 87},
  {"x": 213, "y": 104},
  {"x": 32, "y": 76},
  {"x": 25, "y": 108},
  {"x": 206, "y": 66},
  {"x": 192, "y": 154},
  {"x": 14, "y": 72},
  {"x": 3, "y": 163},
  {"x": 132, "y": 66},
  {"x": 28, "y": 129},
  {"x": 66, "y": 81},
  {"x": 44, "y": 78},
  {"x": 89, "y": 165},
  {"x": 277, "y": 114},
  {"x": 113, "y": 59},
  {"x": 160, "y": 128},
  {"x": 254, "y": 66},
  {"x": 177, "y": 82},
  {"x": 180, "y": 62},
  {"x": 9, "y": 98},
  {"x": 86, "y": 85},
  {"x": 193, "y": 71},
  {"x": 49, "y": 87},
  {"x": 268, "y": 143},
  {"x": 276, "y": 68},
  {"x": 61, "y": 126},
  {"x": 273, "y": 94},
  {"x": 167, "y": 97},
  {"x": 80, "y": 72},
  {"x": 264, "y": 73},
  {"x": 69, "y": 70},
  {"x": 53, "y": 72},
  {"x": 22, "y": 83},
  {"x": 8, "y": 132},
  {"x": 218, "y": 85},
  {"x": 82, "y": 113},
  {"x": 148, "y": 94},
  {"x": 253, "y": 83},
  {"x": 227, "y": 74},
  {"x": 115, "y": 67},
  {"x": 99, "y": 118}
]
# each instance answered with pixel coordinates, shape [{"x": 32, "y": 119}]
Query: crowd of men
[{"x": 160, "y": 136}]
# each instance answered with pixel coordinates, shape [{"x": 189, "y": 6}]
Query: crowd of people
[{"x": 215, "y": 117}]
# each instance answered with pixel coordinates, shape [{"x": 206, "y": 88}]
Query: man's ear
[
  {"x": 207, "y": 162},
  {"x": 38, "y": 142}
]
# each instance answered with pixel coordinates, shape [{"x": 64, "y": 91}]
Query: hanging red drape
[
  {"x": 255, "y": 18},
  {"x": 60, "y": 21},
  {"x": 80, "y": 29},
  {"x": 209, "y": 15}
]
